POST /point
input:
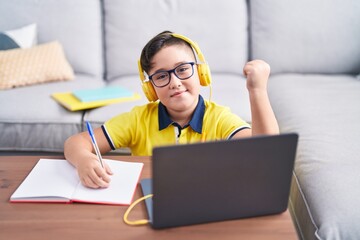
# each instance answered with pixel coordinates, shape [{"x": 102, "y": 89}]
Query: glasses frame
[{"x": 172, "y": 71}]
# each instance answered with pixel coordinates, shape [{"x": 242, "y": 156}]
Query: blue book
[{"x": 104, "y": 93}]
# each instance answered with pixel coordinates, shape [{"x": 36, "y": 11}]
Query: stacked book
[{"x": 93, "y": 98}]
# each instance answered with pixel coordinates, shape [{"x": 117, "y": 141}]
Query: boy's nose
[{"x": 174, "y": 81}]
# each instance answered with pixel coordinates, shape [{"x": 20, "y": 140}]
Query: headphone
[{"x": 202, "y": 69}]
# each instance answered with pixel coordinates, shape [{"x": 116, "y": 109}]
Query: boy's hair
[{"x": 163, "y": 39}]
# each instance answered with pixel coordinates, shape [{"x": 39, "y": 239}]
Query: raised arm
[{"x": 263, "y": 118}]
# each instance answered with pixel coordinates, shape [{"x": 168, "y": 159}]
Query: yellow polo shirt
[{"x": 148, "y": 126}]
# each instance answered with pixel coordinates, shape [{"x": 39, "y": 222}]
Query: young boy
[{"x": 180, "y": 116}]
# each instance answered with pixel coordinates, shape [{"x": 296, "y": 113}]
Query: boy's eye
[
  {"x": 182, "y": 69},
  {"x": 161, "y": 76}
]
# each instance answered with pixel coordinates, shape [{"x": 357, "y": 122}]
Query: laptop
[{"x": 220, "y": 180}]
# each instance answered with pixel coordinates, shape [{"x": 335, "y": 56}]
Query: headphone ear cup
[
  {"x": 149, "y": 91},
  {"x": 147, "y": 87},
  {"x": 204, "y": 74}
]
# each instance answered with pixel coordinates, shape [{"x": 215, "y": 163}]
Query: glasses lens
[
  {"x": 160, "y": 79},
  {"x": 184, "y": 71}
]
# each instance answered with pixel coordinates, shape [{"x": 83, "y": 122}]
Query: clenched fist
[{"x": 257, "y": 73}]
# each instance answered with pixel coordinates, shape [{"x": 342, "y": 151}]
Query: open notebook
[{"x": 57, "y": 181}]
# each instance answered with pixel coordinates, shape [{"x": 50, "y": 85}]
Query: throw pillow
[
  {"x": 24, "y": 37},
  {"x": 39, "y": 64}
]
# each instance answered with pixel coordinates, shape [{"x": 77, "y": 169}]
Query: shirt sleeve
[
  {"x": 230, "y": 124},
  {"x": 223, "y": 122},
  {"x": 118, "y": 130}
]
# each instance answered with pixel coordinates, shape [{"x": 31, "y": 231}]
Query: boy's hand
[
  {"x": 257, "y": 73},
  {"x": 92, "y": 174}
]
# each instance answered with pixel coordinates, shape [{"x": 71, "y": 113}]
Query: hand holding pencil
[{"x": 92, "y": 169}]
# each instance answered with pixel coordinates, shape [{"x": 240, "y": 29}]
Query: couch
[{"x": 313, "y": 48}]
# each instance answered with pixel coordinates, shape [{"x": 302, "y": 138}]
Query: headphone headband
[{"x": 193, "y": 44}]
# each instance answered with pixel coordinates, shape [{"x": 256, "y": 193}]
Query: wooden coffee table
[{"x": 101, "y": 222}]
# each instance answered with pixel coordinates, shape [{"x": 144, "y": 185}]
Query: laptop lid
[{"x": 220, "y": 180}]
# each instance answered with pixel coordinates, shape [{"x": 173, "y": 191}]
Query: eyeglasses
[{"x": 182, "y": 72}]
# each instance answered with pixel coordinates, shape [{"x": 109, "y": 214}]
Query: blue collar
[{"x": 195, "y": 122}]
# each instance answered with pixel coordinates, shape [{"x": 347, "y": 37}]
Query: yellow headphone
[{"x": 202, "y": 68}]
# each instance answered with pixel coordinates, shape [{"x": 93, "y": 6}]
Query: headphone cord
[{"x": 137, "y": 222}]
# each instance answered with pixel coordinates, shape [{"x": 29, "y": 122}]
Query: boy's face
[{"x": 179, "y": 95}]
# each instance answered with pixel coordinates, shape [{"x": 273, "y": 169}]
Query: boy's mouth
[{"x": 177, "y": 93}]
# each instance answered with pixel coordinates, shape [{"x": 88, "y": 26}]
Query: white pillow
[{"x": 24, "y": 37}]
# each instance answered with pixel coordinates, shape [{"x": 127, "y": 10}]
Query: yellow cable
[{"x": 137, "y": 222}]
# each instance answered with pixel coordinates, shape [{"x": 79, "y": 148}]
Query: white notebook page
[
  {"x": 121, "y": 190},
  {"x": 49, "y": 179}
]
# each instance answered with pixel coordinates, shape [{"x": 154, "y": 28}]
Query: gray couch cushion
[
  {"x": 30, "y": 120},
  {"x": 230, "y": 90},
  {"x": 129, "y": 25},
  {"x": 324, "y": 111},
  {"x": 75, "y": 24},
  {"x": 307, "y": 36}
]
